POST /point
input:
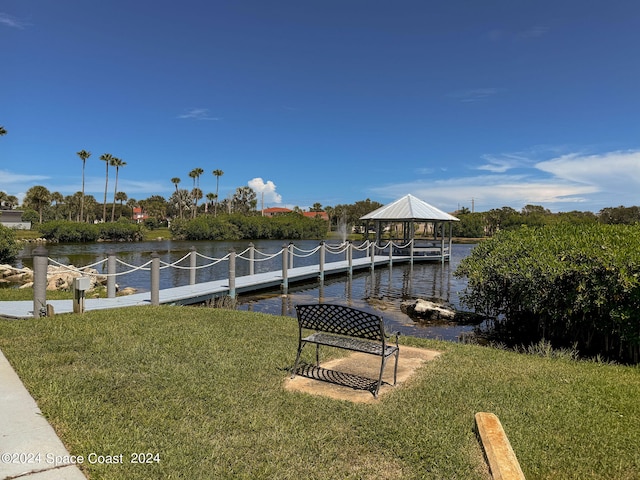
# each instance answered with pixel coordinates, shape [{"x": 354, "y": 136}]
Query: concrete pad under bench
[{"x": 360, "y": 365}]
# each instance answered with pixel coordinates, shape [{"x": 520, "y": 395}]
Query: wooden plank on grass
[{"x": 501, "y": 457}]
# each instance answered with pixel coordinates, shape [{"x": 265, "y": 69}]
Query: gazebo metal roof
[{"x": 408, "y": 208}]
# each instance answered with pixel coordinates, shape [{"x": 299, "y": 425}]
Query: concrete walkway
[{"x": 29, "y": 447}]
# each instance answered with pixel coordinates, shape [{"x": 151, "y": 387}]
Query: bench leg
[
  {"x": 395, "y": 370},
  {"x": 295, "y": 365},
  {"x": 384, "y": 360}
]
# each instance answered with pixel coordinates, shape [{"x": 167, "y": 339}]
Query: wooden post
[
  {"x": 155, "y": 278},
  {"x": 411, "y": 245},
  {"x": 232, "y": 273},
  {"x": 290, "y": 254},
  {"x": 321, "y": 260},
  {"x": 40, "y": 263},
  {"x": 442, "y": 242},
  {"x": 350, "y": 257},
  {"x": 252, "y": 257},
  {"x": 111, "y": 275},
  {"x": 193, "y": 260},
  {"x": 450, "y": 238},
  {"x": 373, "y": 254},
  {"x": 285, "y": 268}
]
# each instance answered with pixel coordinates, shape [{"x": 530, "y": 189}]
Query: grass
[
  {"x": 163, "y": 233},
  {"x": 203, "y": 388},
  {"x": 20, "y": 294},
  {"x": 26, "y": 234}
]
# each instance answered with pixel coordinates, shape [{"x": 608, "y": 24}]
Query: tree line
[{"x": 487, "y": 224}]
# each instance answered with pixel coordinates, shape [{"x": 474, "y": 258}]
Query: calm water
[{"x": 381, "y": 291}]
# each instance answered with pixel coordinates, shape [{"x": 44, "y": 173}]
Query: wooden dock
[{"x": 202, "y": 292}]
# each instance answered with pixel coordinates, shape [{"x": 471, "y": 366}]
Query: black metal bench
[{"x": 347, "y": 328}]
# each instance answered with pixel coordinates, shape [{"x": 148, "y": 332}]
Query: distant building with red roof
[
  {"x": 138, "y": 215},
  {"x": 322, "y": 215},
  {"x": 275, "y": 211}
]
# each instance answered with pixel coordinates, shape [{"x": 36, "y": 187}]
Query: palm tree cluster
[
  {"x": 184, "y": 200},
  {"x": 110, "y": 161}
]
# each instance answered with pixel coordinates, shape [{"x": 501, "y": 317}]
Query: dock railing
[{"x": 194, "y": 261}]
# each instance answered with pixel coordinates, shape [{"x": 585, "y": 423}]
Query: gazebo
[{"x": 415, "y": 228}]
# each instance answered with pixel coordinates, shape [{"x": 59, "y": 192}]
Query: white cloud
[
  {"x": 569, "y": 182},
  {"x": 198, "y": 114},
  {"x": 266, "y": 191},
  {"x": 500, "y": 164},
  {"x": 8, "y": 178},
  {"x": 11, "y": 21},
  {"x": 614, "y": 171}
]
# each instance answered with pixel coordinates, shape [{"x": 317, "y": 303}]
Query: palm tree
[
  {"x": 38, "y": 197},
  {"x": 195, "y": 174},
  {"x": 176, "y": 181},
  {"x": 196, "y": 194},
  {"x": 210, "y": 198},
  {"x": 132, "y": 203},
  {"x": 182, "y": 198},
  {"x": 121, "y": 197},
  {"x": 217, "y": 174},
  {"x": 11, "y": 201},
  {"x": 198, "y": 172},
  {"x": 116, "y": 162},
  {"x": 83, "y": 154},
  {"x": 106, "y": 158}
]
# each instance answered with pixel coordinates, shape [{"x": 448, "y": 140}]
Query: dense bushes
[
  {"x": 236, "y": 227},
  {"x": 74, "y": 232},
  {"x": 8, "y": 247},
  {"x": 573, "y": 285}
]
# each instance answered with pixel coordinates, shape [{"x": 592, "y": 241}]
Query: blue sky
[{"x": 503, "y": 103}]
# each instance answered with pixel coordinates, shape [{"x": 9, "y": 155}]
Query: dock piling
[
  {"x": 193, "y": 259},
  {"x": 111, "y": 274},
  {"x": 232, "y": 273},
  {"x": 40, "y": 263},
  {"x": 155, "y": 278}
]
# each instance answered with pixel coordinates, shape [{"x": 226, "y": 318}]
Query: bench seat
[
  {"x": 347, "y": 328},
  {"x": 354, "y": 344}
]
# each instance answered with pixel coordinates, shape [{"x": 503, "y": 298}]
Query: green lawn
[{"x": 203, "y": 389}]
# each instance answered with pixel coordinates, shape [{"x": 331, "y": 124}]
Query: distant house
[
  {"x": 322, "y": 215},
  {"x": 138, "y": 215},
  {"x": 275, "y": 211},
  {"x": 13, "y": 219}
]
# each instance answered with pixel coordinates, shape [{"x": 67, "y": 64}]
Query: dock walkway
[{"x": 201, "y": 292}]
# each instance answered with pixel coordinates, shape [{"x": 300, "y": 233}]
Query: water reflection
[{"x": 381, "y": 290}]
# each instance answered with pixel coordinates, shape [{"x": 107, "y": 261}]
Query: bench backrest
[{"x": 330, "y": 318}]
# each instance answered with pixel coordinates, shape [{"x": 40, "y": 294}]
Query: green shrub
[
  {"x": 237, "y": 227},
  {"x": 69, "y": 232},
  {"x": 75, "y": 232},
  {"x": 8, "y": 247},
  {"x": 120, "y": 231},
  {"x": 573, "y": 285},
  {"x": 471, "y": 225}
]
